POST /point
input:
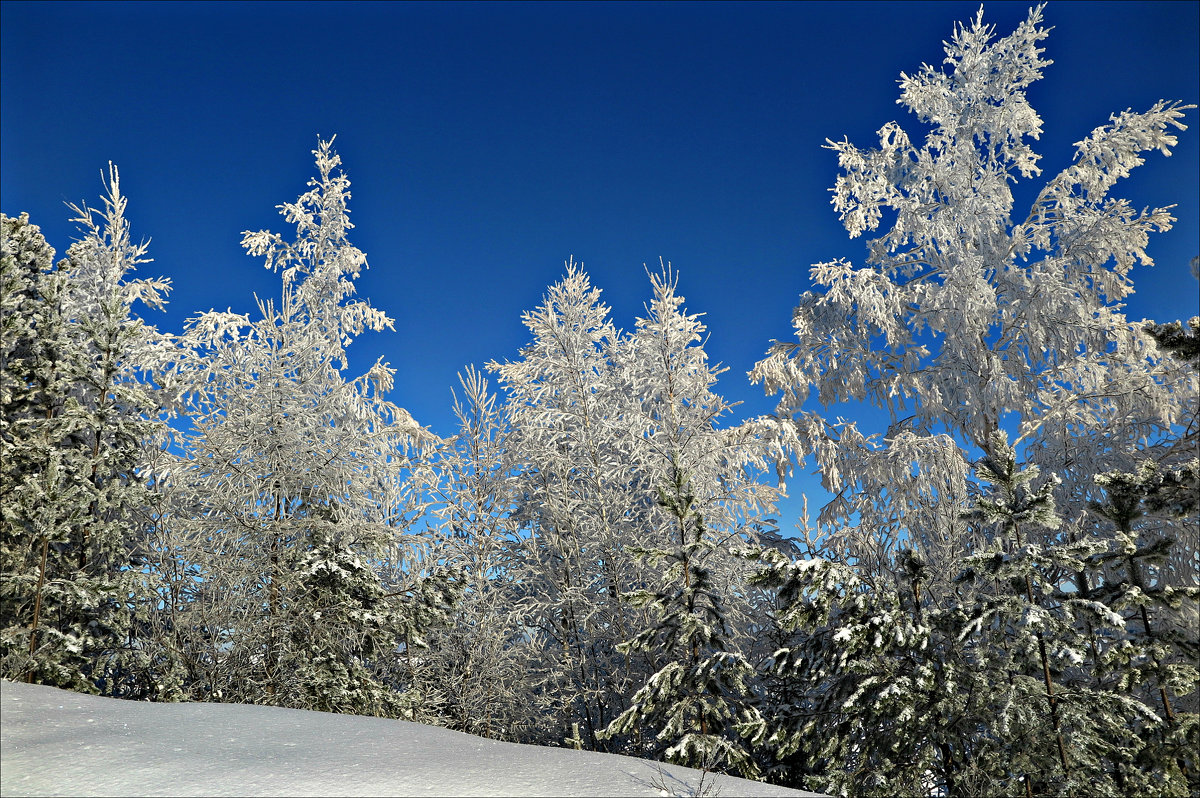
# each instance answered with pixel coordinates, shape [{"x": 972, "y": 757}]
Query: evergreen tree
[
  {"x": 77, "y": 429},
  {"x": 1031, "y": 680},
  {"x": 40, "y": 501},
  {"x": 1155, "y": 659},
  {"x": 700, "y": 702},
  {"x": 880, "y": 698}
]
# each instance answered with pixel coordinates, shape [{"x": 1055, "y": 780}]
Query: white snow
[{"x": 56, "y": 742}]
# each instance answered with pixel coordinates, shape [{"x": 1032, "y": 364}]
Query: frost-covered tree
[
  {"x": 709, "y": 497},
  {"x": 78, "y": 416},
  {"x": 37, "y": 500},
  {"x": 299, "y": 485},
  {"x": 27, "y": 258},
  {"x": 1155, "y": 656},
  {"x": 1027, "y": 680},
  {"x": 880, "y": 697},
  {"x": 964, "y": 323},
  {"x": 966, "y": 319},
  {"x": 578, "y": 504},
  {"x": 604, "y": 429},
  {"x": 481, "y": 657},
  {"x": 1173, "y": 490}
]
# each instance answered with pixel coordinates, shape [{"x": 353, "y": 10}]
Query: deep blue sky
[{"x": 488, "y": 142}]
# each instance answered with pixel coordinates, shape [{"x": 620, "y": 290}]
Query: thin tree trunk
[
  {"x": 37, "y": 608},
  {"x": 1136, "y": 576},
  {"x": 1050, "y": 699}
]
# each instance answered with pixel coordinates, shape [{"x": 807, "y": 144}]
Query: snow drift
[{"x": 57, "y": 742}]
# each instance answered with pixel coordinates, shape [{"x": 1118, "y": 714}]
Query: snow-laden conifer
[
  {"x": 879, "y": 695},
  {"x": 1154, "y": 654},
  {"x": 603, "y": 428},
  {"x": 78, "y": 416},
  {"x": 709, "y": 497}
]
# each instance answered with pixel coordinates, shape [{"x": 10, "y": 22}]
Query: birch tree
[
  {"x": 298, "y": 487},
  {"x": 968, "y": 321},
  {"x": 482, "y": 656},
  {"x": 965, "y": 318},
  {"x": 577, "y": 501}
]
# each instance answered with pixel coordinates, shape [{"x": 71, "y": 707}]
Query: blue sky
[{"x": 487, "y": 143}]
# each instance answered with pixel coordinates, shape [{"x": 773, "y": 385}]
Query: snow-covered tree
[
  {"x": 709, "y": 497},
  {"x": 1029, "y": 679},
  {"x": 33, "y": 387},
  {"x": 482, "y": 655},
  {"x": 607, "y": 432},
  {"x": 78, "y": 416},
  {"x": 877, "y": 692},
  {"x": 1173, "y": 490},
  {"x": 578, "y": 504},
  {"x": 27, "y": 258},
  {"x": 965, "y": 319},
  {"x": 954, "y": 630},
  {"x": 299, "y": 485},
  {"x": 1155, "y": 655}
]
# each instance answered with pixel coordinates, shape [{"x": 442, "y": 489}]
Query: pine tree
[
  {"x": 1027, "y": 681},
  {"x": 701, "y": 701},
  {"x": 878, "y": 689},
  {"x": 1050, "y": 643}
]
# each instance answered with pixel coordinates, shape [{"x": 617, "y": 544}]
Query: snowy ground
[{"x": 55, "y": 742}]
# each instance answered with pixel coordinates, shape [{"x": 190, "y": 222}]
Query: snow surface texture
[{"x": 56, "y": 742}]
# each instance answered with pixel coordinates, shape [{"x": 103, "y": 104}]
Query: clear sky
[{"x": 486, "y": 143}]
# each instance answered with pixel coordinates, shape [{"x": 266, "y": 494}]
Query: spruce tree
[
  {"x": 700, "y": 700},
  {"x": 78, "y": 425},
  {"x": 41, "y": 499},
  {"x": 700, "y": 703},
  {"x": 1049, "y": 642}
]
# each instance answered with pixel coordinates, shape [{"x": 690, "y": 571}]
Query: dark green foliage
[
  {"x": 699, "y": 705},
  {"x": 1035, "y": 675},
  {"x": 74, "y": 424},
  {"x": 1172, "y": 337}
]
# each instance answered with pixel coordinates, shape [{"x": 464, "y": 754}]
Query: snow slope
[{"x": 54, "y": 742}]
